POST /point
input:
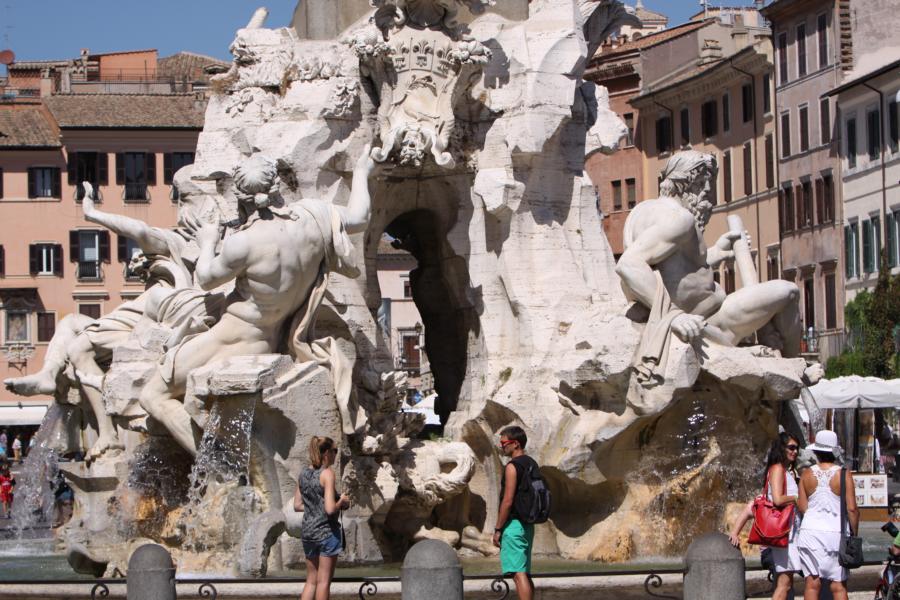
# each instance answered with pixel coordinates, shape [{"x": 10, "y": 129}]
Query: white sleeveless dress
[
  {"x": 787, "y": 559},
  {"x": 819, "y": 537}
]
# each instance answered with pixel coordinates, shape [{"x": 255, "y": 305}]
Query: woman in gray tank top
[{"x": 320, "y": 504}]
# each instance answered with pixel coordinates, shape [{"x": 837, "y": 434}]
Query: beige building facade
[
  {"x": 807, "y": 39},
  {"x": 52, "y": 262}
]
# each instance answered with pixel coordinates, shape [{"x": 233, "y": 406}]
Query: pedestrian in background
[
  {"x": 317, "y": 498},
  {"x": 17, "y": 448},
  {"x": 512, "y": 535},
  {"x": 7, "y": 485}
]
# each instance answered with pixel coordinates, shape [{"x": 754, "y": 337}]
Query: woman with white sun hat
[{"x": 819, "y": 537}]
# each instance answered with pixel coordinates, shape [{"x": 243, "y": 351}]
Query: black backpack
[{"x": 532, "y": 501}]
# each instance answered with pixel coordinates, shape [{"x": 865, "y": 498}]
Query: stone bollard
[
  {"x": 431, "y": 570},
  {"x": 713, "y": 568},
  {"x": 151, "y": 574}
]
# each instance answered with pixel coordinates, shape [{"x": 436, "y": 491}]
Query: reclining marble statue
[
  {"x": 81, "y": 344},
  {"x": 667, "y": 268},
  {"x": 279, "y": 259}
]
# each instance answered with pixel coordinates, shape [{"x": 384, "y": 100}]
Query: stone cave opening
[{"x": 428, "y": 339}]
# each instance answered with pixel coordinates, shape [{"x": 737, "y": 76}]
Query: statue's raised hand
[
  {"x": 364, "y": 164},
  {"x": 87, "y": 203},
  {"x": 725, "y": 243}
]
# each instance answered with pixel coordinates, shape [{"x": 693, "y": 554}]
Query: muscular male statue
[
  {"x": 277, "y": 259},
  {"x": 664, "y": 247},
  {"x": 83, "y": 342}
]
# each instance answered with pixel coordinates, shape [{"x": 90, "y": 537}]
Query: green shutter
[
  {"x": 848, "y": 252},
  {"x": 868, "y": 255},
  {"x": 891, "y": 241}
]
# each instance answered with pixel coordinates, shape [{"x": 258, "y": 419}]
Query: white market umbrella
[{"x": 854, "y": 391}]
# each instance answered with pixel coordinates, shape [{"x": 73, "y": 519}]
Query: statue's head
[
  {"x": 256, "y": 180},
  {"x": 689, "y": 177},
  {"x": 413, "y": 146}
]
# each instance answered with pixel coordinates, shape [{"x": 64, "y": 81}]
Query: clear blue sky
[{"x": 58, "y": 29}]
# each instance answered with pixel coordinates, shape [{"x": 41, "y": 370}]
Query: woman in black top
[{"x": 320, "y": 504}]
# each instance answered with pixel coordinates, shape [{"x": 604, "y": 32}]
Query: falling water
[
  {"x": 33, "y": 502},
  {"x": 222, "y": 458},
  {"x": 701, "y": 460}
]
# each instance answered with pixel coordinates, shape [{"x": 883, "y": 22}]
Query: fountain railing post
[
  {"x": 151, "y": 574},
  {"x": 713, "y": 568}
]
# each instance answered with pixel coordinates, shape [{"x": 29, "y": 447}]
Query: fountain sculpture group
[{"x": 259, "y": 326}]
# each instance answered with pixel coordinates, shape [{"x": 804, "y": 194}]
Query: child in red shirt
[{"x": 6, "y": 491}]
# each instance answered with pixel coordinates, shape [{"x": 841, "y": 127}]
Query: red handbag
[{"x": 771, "y": 524}]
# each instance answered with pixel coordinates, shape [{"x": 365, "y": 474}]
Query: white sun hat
[{"x": 826, "y": 441}]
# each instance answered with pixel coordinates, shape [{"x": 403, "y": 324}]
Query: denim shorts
[{"x": 330, "y": 546}]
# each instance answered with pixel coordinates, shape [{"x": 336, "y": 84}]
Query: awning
[
  {"x": 14, "y": 414},
  {"x": 854, "y": 391}
]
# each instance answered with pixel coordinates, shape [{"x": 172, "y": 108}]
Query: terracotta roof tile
[
  {"x": 653, "y": 39},
  {"x": 126, "y": 111},
  {"x": 26, "y": 128},
  {"x": 187, "y": 65}
]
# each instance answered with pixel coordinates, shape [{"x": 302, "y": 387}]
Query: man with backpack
[{"x": 524, "y": 501}]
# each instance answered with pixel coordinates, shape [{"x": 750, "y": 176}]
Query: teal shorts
[{"x": 515, "y": 547}]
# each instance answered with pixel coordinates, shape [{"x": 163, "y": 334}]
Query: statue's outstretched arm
[
  {"x": 356, "y": 214},
  {"x": 148, "y": 238},
  {"x": 214, "y": 269}
]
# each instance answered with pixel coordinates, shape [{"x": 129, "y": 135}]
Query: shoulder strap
[{"x": 843, "y": 504}]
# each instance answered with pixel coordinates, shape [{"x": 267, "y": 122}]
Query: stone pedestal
[{"x": 713, "y": 568}]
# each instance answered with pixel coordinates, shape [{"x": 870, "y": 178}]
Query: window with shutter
[
  {"x": 770, "y": 162},
  {"x": 103, "y": 168},
  {"x": 45, "y": 259},
  {"x": 2, "y": 261},
  {"x": 873, "y": 134},
  {"x": 747, "y": 102},
  {"x": 709, "y": 119},
  {"x": 150, "y": 162},
  {"x": 801, "y": 50},
  {"x": 785, "y": 135},
  {"x": 830, "y": 301},
  {"x": 90, "y": 310},
  {"x": 33, "y": 259},
  {"x": 851, "y": 143},
  {"x": 868, "y": 248},
  {"x": 726, "y": 112},
  {"x": 726, "y": 176},
  {"x": 89, "y": 254},
  {"x": 748, "y": 169},
  {"x": 828, "y": 190},
  {"x": 848, "y": 253},
  {"x": 74, "y": 245},
  {"x": 136, "y": 173},
  {"x": 804, "y": 128},
  {"x": 891, "y": 242},
  {"x": 807, "y": 203},
  {"x": 46, "y": 322},
  {"x": 1, "y": 183},
  {"x": 893, "y": 129},
  {"x": 788, "y": 208},
  {"x": 631, "y": 192},
  {"x": 120, "y": 168},
  {"x": 72, "y": 168},
  {"x": 820, "y": 200},
  {"x": 663, "y": 134},
  {"x": 825, "y": 120},
  {"x": 801, "y": 207},
  {"x": 103, "y": 237},
  {"x": 685, "y": 126},
  {"x": 617, "y": 194}
]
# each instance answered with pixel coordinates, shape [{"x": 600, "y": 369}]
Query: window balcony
[
  {"x": 136, "y": 192},
  {"x": 89, "y": 270}
]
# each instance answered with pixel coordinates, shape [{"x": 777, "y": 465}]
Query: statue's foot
[
  {"x": 104, "y": 446},
  {"x": 41, "y": 382}
]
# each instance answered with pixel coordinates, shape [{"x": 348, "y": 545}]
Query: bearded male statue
[{"x": 668, "y": 268}]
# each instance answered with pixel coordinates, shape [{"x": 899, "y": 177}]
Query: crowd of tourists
[{"x": 806, "y": 518}]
